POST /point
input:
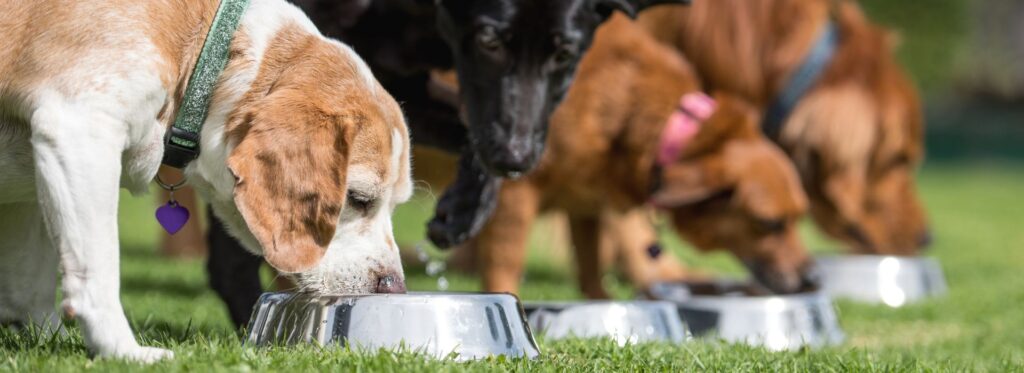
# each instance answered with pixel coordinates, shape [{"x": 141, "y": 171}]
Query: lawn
[
  {"x": 976, "y": 212},
  {"x": 976, "y": 215}
]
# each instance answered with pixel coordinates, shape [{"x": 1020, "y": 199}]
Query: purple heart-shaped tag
[{"x": 172, "y": 216}]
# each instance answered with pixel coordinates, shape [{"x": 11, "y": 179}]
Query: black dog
[{"x": 515, "y": 60}]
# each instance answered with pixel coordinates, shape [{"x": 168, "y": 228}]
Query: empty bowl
[
  {"x": 740, "y": 313},
  {"x": 625, "y": 322},
  {"x": 890, "y": 280},
  {"x": 461, "y": 326}
]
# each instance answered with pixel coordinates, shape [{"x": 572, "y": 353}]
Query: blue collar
[{"x": 804, "y": 77}]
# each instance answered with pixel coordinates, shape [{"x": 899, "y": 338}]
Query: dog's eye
[
  {"x": 564, "y": 56},
  {"x": 360, "y": 202},
  {"x": 488, "y": 39}
]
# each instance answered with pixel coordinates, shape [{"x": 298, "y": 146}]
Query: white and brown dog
[{"x": 304, "y": 155}]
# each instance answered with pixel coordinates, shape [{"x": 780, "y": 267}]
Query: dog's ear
[
  {"x": 605, "y": 8},
  {"x": 290, "y": 172},
  {"x": 767, "y": 183},
  {"x": 692, "y": 181}
]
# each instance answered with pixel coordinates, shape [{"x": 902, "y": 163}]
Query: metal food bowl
[
  {"x": 625, "y": 322},
  {"x": 742, "y": 313},
  {"x": 461, "y": 326},
  {"x": 890, "y": 280}
]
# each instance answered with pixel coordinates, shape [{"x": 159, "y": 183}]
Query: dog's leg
[
  {"x": 28, "y": 269},
  {"x": 501, "y": 245},
  {"x": 465, "y": 206},
  {"x": 631, "y": 236},
  {"x": 77, "y": 154},
  {"x": 585, "y": 242},
  {"x": 234, "y": 273}
]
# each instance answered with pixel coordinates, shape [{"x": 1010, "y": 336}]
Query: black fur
[{"x": 515, "y": 60}]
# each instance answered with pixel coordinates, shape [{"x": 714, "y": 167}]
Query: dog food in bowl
[{"x": 464, "y": 326}]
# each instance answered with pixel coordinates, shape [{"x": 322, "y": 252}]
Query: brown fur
[
  {"x": 175, "y": 27},
  {"x": 601, "y": 153},
  {"x": 625, "y": 238},
  {"x": 292, "y": 153},
  {"x": 856, "y": 137},
  {"x": 295, "y": 147}
]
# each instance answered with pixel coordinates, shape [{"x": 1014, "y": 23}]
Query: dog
[
  {"x": 728, "y": 188},
  {"x": 856, "y": 136},
  {"x": 528, "y": 48},
  {"x": 304, "y": 154},
  {"x": 516, "y": 58}
]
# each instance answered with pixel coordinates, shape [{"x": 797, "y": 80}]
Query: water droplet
[
  {"x": 442, "y": 283},
  {"x": 435, "y": 267},
  {"x": 421, "y": 252}
]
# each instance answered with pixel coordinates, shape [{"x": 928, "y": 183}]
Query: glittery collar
[{"x": 181, "y": 144}]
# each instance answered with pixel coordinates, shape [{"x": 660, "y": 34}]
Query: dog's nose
[
  {"x": 515, "y": 158},
  {"x": 925, "y": 239},
  {"x": 810, "y": 277},
  {"x": 390, "y": 284},
  {"x": 858, "y": 235},
  {"x": 779, "y": 281}
]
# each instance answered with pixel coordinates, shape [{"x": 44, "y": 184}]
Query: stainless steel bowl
[
  {"x": 458, "y": 325},
  {"x": 626, "y": 322},
  {"x": 740, "y": 313},
  {"x": 890, "y": 280}
]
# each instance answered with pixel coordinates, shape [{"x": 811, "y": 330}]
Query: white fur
[
  {"x": 69, "y": 141},
  {"x": 363, "y": 242}
]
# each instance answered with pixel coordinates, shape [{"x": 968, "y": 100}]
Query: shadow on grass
[
  {"x": 157, "y": 332},
  {"x": 140, "y": 285}
]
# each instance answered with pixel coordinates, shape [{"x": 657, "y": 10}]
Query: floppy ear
[
  {"x": 767, "y": 182},
  {"x": 290, "y": 185},
  {"x": 691, "y": 182},
  {"x": 605, "y": 8}
]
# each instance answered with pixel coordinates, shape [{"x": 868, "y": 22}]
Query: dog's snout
[
  {"x": 390, "y": 284},
  {"x": 516, "y": 158},
  {"x": 810, "y": 277},
  {"x": 783, "y": 281},
  {"x": 858, "y": 235}
]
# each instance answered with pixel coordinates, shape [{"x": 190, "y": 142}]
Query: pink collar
[{"x": 694, "y": 108}]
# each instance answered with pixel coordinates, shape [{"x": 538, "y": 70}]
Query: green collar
[{"x": 181, "y": 144}]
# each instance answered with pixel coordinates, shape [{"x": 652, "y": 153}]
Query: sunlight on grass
[{"x": 975, "y": 212}]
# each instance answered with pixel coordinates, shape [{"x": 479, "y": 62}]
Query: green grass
[
  {"x": 976, "y": 215},
  {"x": 930, "y": 33}
]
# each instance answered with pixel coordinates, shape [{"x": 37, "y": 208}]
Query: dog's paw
[{"x": 143, "y": 354}]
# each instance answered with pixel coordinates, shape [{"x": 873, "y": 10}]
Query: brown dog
[
  {"x": 856, "y": 136},
  {"x": 730, "y": 188}
]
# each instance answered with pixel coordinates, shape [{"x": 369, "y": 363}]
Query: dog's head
[
  {"x": 516, "y": 59},
  {"x": 866, "y": 196},
  {"x": 320, "y": 158},
  {"x": 861, "y": 142},
  {"x": 735, "y": 190}
]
